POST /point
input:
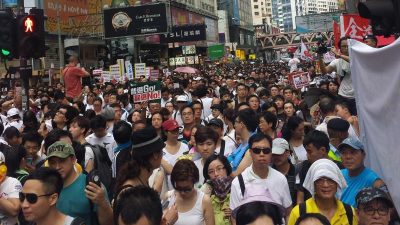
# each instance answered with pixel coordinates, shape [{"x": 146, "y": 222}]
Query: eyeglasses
[
  {"x": 382, "y": 211},
  {"x": 183, "y": 190},
  {"x": 259, "y": 150},
  {"x": 322, "y": 181},
  {"x": 217, "y": 170},
  {"x": 30, "y": 197}
]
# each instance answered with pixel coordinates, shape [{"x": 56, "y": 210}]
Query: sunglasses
[
  {"x": 30, "y": 197},
  {"x": 259, "y": 150},
  {"x": 183, "y": 190}
]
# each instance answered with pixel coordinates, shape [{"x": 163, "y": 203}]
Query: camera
[{"x": 322, "y": 48}]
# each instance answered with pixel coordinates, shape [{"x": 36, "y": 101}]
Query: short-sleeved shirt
[
  {"x": 10, "y": 188},
  {"x": 342, "y": 68},
  {"x": 72, "y": 79},
  {"x": 275, "y": 182},
  {"x": 73, "y": 201},
  {"x": 354, "y": 184},
  {"x": 340, "y": 217}
]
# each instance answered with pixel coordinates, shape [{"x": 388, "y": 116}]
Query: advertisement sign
[
  {"x": 106, "y": 76},
  {"x": 146, "y": 91},
  {"x": 216, "y": 51},
  {"x": 299, "y": 79},
  {"x": 179, "y": 61},
  {"x": 140, "y": 70},
  {"x": 320, "y": 22},
  {"x": 189, "y": 50},
  {"x": 68, "y": 9},
  {"x": 136, "y": 21},
  {"x": 186, "y": 33}
]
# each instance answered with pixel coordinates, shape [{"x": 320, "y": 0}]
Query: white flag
[
  {"x": 305, "y": 55},
  {"x": 375, "y": 74}
]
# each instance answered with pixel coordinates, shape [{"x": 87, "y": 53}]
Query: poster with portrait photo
[{"x": 122, "y": 48}]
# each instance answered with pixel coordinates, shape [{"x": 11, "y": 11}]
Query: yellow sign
[{"x": 252, "y": 56}]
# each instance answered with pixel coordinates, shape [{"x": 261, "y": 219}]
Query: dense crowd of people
[{"x": 234, "y": 144}]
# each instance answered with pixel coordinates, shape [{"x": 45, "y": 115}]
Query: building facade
[{"x": 262, "y": 12}]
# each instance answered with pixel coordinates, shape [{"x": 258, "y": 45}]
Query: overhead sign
[
  {"x": 147, "y": 91},
  {"x": 135, "y": 21},
  {"x": 189, "y": 50},
  {"x": 216, "y": 51},
  {"x": 196, "y": 32}
]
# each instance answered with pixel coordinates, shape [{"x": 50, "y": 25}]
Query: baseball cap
[
  {"x": 279, "y": 146},
  {"x": 197, "y": 78},
  {"x": 182, "y": 98},
  {"x": 170, "y": 125},
  {"x": 12, "y": 112},
  {"x": 60, "y": 149},
  {"x": 351, "y": 142},
  {"x": 216, "y": 122},
  {"x": 366, "y": 195}
]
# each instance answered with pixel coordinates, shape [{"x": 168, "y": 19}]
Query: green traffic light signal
[{"x": 5, "y": 52}]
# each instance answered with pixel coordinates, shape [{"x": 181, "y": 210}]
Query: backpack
[
  {"x": 102, "y": 163},
  {"x": 347, "y": 208}
]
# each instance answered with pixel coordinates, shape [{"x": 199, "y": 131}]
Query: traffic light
[
  {"x": 8, "y": 47},
  {"x": 31, "y": 34},
  {"x": 384, "y": 15}
]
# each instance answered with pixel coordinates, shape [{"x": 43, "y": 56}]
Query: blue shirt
[
  {"x": 73, "y": 201},
  {"x": 354, "y": 184},
  {"x": 237, "y": 155}
]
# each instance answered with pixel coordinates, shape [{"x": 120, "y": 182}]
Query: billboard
[
  {"x": 316, "y": 22},
  {"x": 135, "y": 21},
  {"x": 185, "y": 33}
]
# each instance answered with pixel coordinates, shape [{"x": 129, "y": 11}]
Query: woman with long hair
[
  {"x": 293, "y": 132},
  {"x": 267, "y": 125}
]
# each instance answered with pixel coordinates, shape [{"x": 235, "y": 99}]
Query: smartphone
[
  {"x": 94, "y": 177},
  {"x": 29, "y": 160}
]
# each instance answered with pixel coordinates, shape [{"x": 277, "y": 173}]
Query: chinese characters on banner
[
  {"x": 299, "y": 79},
  {"x": 185, "y": 33},
  {"x": 147, "y": 91},
  {"x": 354, "y": 26},
  {"x": 140, "y": 70}
]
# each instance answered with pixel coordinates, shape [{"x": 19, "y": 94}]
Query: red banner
[
  {"x": 336, "y": 33},
  {"x": 355, "y": 26}
]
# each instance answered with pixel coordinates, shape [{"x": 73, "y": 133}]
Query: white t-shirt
[
  {"x": 300, "y": 153},
  {"x": 172, "y": 158},
  {"x": 293, "y": 64},
  {"x": 200, "y": 167},
  {"x": 206, "y": 107},
  {"x": 276, "y": 183},
  {"x": 229, "y": 147},
  {"x": 342, "y": 68},
  {"x": 107, "y": 142},
  {"x": 10, "y": 188}
]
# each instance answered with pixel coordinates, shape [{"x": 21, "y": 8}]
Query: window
[
  {"x": 256, "y": 6},
  {"x": 256, "y": 13}
]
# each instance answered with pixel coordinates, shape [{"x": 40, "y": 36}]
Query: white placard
[
  {"x": 129, "y": 70},
  {"x": 140, "y": 69}
]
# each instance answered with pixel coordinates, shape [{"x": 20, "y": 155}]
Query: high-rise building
[
  {"x": 284, "y": 12},
  {"x": 262, "y": 12},
  {"x": 240, "y": 22}
]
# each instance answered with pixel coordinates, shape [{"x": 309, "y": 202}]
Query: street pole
[{"x": 60, "y": 46}]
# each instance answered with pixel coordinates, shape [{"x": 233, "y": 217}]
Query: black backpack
[{"x": 102, "y": 163}]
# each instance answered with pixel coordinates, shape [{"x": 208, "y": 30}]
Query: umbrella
[
  {"x": 186, "y": 69},
  {"x": 313, "y": 95}
]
